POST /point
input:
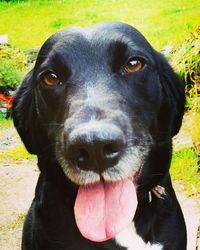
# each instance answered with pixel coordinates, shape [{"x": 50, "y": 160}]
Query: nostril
[
  {"x": 81, "y": 158},
  {"x": 112, "y": 150}
]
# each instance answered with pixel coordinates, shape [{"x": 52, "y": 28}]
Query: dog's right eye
[
  {"x": 50, "y": 79},
  {"x": 134, "y": 65}
]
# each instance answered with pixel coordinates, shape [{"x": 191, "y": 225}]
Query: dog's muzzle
[{"x": 95, "y": 146}]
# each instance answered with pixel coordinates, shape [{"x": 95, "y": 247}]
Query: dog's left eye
[
  {"x": 134, "y": 65},
  {"x": 50, "y": 79}
]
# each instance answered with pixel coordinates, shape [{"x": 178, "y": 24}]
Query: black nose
[{"x": 95, "y": 146}]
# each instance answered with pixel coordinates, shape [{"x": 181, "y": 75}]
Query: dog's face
[{"x": 103, "y": 102}]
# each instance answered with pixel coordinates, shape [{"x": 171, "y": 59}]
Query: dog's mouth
[
  {"x": 104, "y": 209},
  {"x": 106, "y": 200}
]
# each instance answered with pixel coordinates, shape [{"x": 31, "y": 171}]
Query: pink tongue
[{"x": 104, "y": 209}]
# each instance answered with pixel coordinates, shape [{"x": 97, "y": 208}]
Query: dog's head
[{"x": 102, "y": 102}]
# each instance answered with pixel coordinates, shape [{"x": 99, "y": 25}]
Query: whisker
[
  {"x": 158, "y": 174},
  {"x": 54, "y": 124}
]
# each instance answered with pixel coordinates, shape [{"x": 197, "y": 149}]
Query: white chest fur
[{"x": 132, "y": 241}]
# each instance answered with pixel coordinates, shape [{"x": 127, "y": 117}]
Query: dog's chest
[{"x": 132, "y": 241}]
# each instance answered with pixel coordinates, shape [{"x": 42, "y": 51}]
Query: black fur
[{"x": 151, "y": 100}]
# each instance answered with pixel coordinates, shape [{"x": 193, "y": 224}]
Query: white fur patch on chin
[{"x": 132, "y": 241}]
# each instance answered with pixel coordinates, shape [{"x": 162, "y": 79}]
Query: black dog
[{"x": 99, "y": 110}]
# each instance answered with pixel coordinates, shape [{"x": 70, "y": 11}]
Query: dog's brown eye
[
  {"x": 133, "y": 65},
  {"x": 51, "y": 79}
]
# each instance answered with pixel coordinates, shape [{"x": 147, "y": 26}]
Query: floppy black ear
[
  {"x": 173, "y": 88},
  {"x": 25, "y": 116}
]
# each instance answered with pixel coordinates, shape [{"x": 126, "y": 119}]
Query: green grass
[
  {"x": 4, "y": 124},
  {"x": 30, "y": 23},
  {"x": 185, "y": 168},
  {"x": 16, "y": 155}
]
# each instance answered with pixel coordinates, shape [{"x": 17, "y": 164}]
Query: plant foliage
[
  {"x": 186, "y": 61},
  {"x": 12, "y": 66}
]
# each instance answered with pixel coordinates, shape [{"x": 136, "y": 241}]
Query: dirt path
[
  {"x": 16, "y": 192},
  {"x": 191, "y": 210}
]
